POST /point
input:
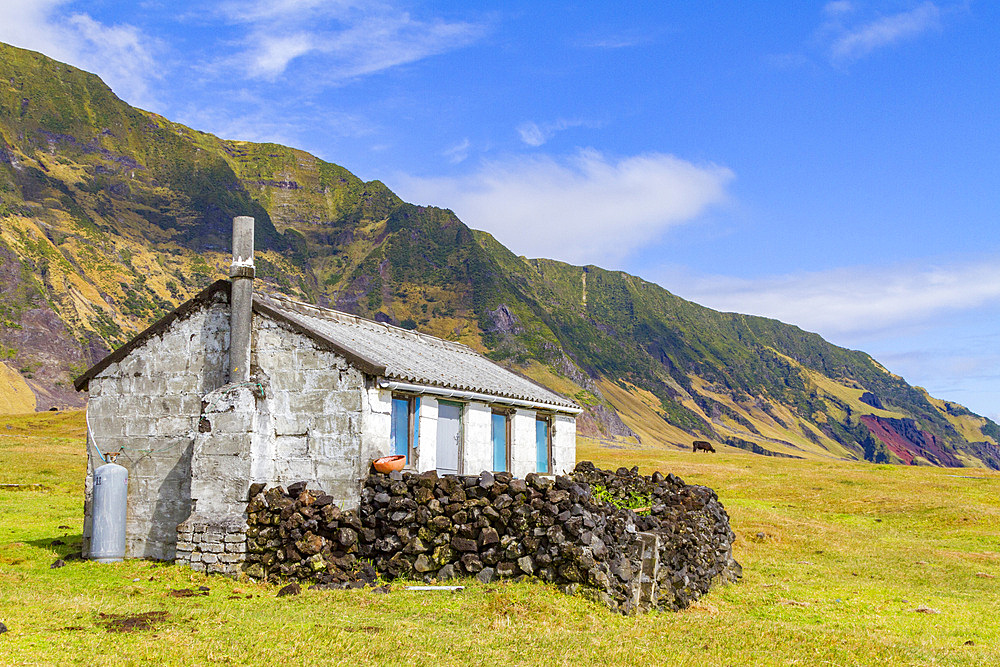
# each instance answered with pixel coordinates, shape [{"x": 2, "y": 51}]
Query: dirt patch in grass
[
  {"x": 187, "y": 592},
  {"x": 25, "y": 487},
  {"x": 132, "y": 622}
]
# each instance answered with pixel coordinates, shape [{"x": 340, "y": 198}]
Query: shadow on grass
[{"x": 66, "y": 546}]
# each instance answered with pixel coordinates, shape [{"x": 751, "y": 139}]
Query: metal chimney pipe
[{"x": 241, "y": 275}]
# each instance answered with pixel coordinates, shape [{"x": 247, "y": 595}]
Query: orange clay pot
[{"x": 390, "y": 463}]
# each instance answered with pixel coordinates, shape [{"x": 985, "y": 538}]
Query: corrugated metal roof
[{"x": 410, "y": 356}]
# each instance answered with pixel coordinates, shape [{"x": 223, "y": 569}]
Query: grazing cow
[{"x": 702, "y": 445}]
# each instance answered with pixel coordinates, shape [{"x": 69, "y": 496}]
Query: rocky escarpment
[
  {"x": 871, "y": 399},
  {"x": 905, "y": 439},
  {"x": 569, "y": 531}
]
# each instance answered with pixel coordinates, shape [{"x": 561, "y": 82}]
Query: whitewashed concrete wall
[
  {"x": 563, "y": 444},
  {"x": 523, "y": 452},
  {"x": 427, "y": 435},
  {"x": 376, "y": 419},
  {"x": 378, "y": 429},
  {"x": 148, "y": 405},
  {"x": 477, "y": 434}
]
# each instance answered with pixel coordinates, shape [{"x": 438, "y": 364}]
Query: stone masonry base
[{"x": 213, "y": 544}]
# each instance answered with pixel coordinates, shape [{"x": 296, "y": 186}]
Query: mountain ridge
[{"x": 110, "y": 216}]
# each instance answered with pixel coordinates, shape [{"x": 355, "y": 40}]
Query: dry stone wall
[
  {"x": 694, "y": 538},
  {"x": 422, "y": 526}
]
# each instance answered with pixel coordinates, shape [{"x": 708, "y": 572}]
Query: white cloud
[
  {"x": 534, "y": 134},
  {"x": 531, "y": 134},
  {"x": 635, "y": 36},
  {"x": 121, "y": 54},
  {"x": 949, "y": 363},
  {"x": 345, "y": 39},
  {"x": 281, "y": 10},
  {"x": 855, "y": 42},
  {"x": 787, "y": 61},
  {"x": 854, "y": 301},
  {"x": 585, "y": 209},
  {"x": 271, "y": 54}
]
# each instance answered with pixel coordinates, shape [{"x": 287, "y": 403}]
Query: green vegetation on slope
[{"x": 112, "y": 215}]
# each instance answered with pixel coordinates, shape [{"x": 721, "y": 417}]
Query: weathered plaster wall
[
  {"x": 427, "y": 435},
  {"x": 563, "y": 444},
  {"x": 477, "y": 438},
  {"x": 224, "y": 450},
  {"x": 213, "y": 537},
  {"x": 377, "y": 421},
  {"x": 523, "y": 452},
  {"x": 148, "y": 406}
]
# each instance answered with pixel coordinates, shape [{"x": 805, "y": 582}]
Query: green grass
[{"x": 836, "y": 559}]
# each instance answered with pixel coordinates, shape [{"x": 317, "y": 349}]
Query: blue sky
[{"x": 833, "y": 165}]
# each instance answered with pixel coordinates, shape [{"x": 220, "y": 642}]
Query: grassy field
[{"x": 844, "y": 564}]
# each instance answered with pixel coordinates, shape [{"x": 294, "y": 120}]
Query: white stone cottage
[{"x": 308, "y": 394}]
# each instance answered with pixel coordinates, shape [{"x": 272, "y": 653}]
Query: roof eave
[
  {"x": 82, "y": 383},
  {"x": 362, "y": 362},
  {"x": 483, "y": 396}
]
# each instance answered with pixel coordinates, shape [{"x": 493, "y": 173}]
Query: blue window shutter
[
  {"x": 416, "y": 423},
  {"x": 542, "y": 445},
  {"x": 400, "y": 430},
  {"x": 499, "y": 442}
]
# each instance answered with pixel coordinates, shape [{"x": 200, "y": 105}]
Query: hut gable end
[{"x": 145, "y": 406}]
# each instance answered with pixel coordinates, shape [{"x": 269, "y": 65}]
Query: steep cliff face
[
  {"x": 110, "y": 216},
  {"x": 36, "y": 344}
]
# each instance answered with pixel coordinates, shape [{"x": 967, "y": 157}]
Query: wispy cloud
[
  {"x": 459, "y": 152},
  {"x": 343, "y": 39},
  {"x": 120, "y": 54},
  {"x": 614, "y": 42},
  {"x": 964, "y": 360},
  {"x": 787, "y": 61},
  {"x": 253, "y": 117},
  {"x": 851, "y": 31},
  {"x": 604, "y": 39},
  {"x": 850, "y": 42},
  {"x": 853, "y": 301},
  {"x": 956, "y": 358},
  {"x": 838, "y": 8},
  {"x": 584, "y": 209},
  {"x": 534, "y": 134}
]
